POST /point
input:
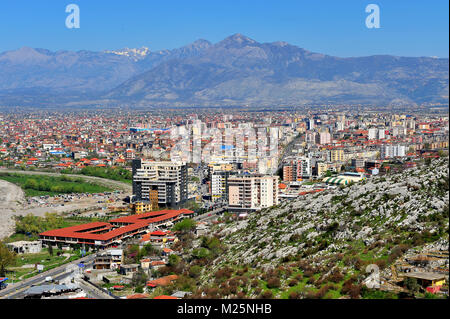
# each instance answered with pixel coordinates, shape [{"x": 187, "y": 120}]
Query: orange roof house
[{"x": 163, "y": 281}]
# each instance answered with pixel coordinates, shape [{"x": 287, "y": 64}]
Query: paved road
[
  {"x": 92, "y": 291},
  {"x": 16, "y": 291},
  {"x": 213, "y": 213},
  {"x": 288, "y": 151},
  {"x": 101, "y": 181}
]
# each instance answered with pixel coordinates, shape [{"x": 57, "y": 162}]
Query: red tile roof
[
  {"x": 163, "y": 281},
  {"x": 165, "y": 297},
  {"x": 102, "y": 231},
  {"x": 138, "y": 296},
  {"x": 158, "y": 233}
]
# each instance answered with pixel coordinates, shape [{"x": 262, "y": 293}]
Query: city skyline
[{"x": 224, "y": 150}]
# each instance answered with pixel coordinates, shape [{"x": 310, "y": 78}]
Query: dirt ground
[
  {"x": 14, "y": 203},
  {"x": 11, "y": 199}
]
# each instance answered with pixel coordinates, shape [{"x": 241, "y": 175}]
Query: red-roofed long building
[{"x": 102, "y": 235}]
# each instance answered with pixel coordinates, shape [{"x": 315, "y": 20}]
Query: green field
[
  {"x": 39, "y": 185},
  {"x": 117, "y": 174}
]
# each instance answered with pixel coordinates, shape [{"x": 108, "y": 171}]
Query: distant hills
[{"x": 236, "y": 71}]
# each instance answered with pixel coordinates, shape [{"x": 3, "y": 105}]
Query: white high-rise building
[
  {"x": 398, "y": 130},
  {"x": 389, "y": 151},
  {"x": 381, "y": 134},
  {"x": 311, "y": 125},
  {"x": 373, "y": 132}
]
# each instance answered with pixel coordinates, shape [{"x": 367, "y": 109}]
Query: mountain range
[{"x": 235, "y": 71}]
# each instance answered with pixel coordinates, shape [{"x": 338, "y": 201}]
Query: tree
[
  {"x": 195, "y": 271},
  {"x": 139, "y": 278},
  {"x": 174, "y": 260},
  {"x": 201, "y": 253},
  {"x": 411, "y": 284},
  {"x": 31, "y": 184},
  {"x": 132, "y": 254},
  {"x": 28, "y": 224},
  {"x": 273, "y": 282},
  {"x": 213, "y": 244},
  {"x": 7, "y": 258},
  {"x": 148, "y": 250},
  {"x": 185, "y": 225},
  {"x": 266, "y": 295},
  {"x": 441, "y": 153},
  {"x": 53, "y": 221}
]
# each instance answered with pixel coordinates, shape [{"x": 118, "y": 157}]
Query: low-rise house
[
  {"x": 153, "y": 262},
  {"x": 128, "y": 269},
  {"x": 156, "y": 264},
  {"x": 163, "y": 281},
  {"x": 167, "y": 251},
  {"x": 181, "y": 294},
  {"x": 427, "y": 279},
  {"x": 145, "y": 263},
  {"x": 25, "y": 247},
  {"x": 110, "y": 259}
]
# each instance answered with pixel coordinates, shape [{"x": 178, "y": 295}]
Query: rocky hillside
[
  {"x": 235, "y": 71},
  {"x": 242, "y": 71},
  {"x": 41, "y": 77},
  {"x": 319, "y": 245}
]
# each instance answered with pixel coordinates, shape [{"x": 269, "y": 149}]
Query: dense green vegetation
[
  {"x": 31, "y": 225},
  {"x": 39, "y": 185},
  {"x": 7, "y": 258},
  {"x": 185, "y": 225},
  {"x": 116, "y": 173}
]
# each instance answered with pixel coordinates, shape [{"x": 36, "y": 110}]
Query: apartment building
[
  {"x": 165, "y": 180},
  {"x": 389, "y": 151},
  {"x": 375, "y": 133},
  {"x": 323, "y": 138},
  {"x": 219, "y": 185},
  {"x": 252, "y": 192},
  {"x": 336, "y": 155},
  {"x": 297, "y": 169},
  {"x": 288, "y": 173},
  {"x": 320, "y": 168},
  {"x": 358, "y": 162}
]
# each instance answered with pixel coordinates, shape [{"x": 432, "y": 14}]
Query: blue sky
[{"x": 408, "y": 28}]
